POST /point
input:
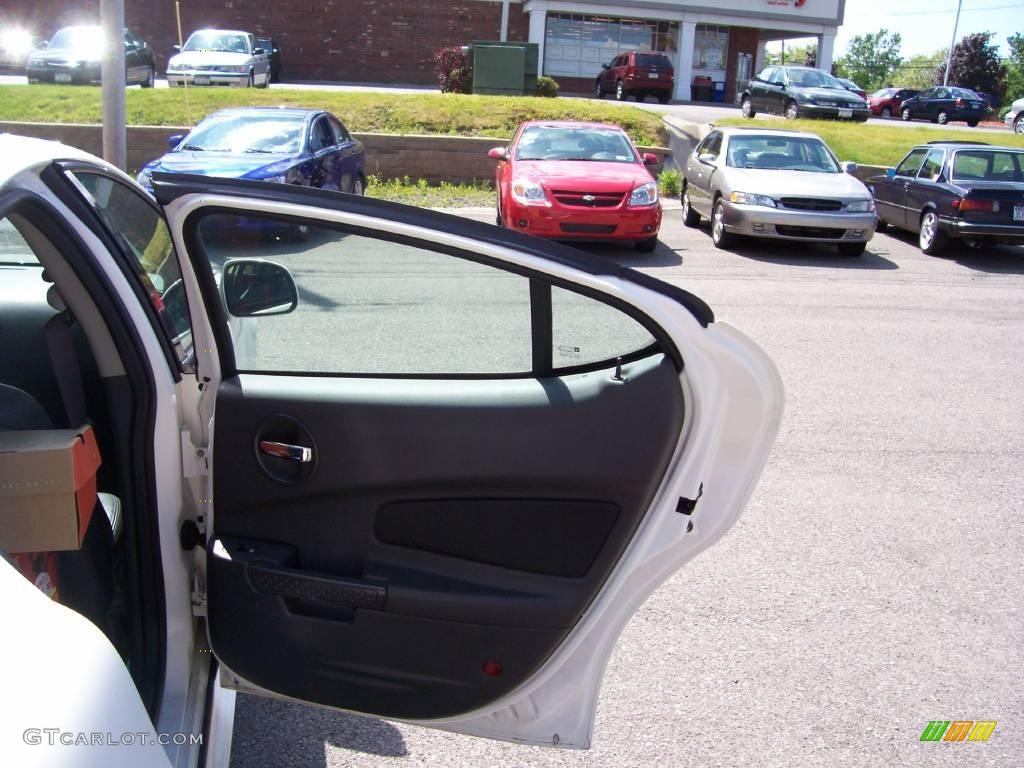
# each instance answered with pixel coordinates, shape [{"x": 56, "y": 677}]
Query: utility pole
[
  {"x": 952, "y": 44},
  {"x": 112, "y": 78}
]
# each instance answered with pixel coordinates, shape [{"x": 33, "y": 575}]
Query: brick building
[{"x": 392, "y": 41}]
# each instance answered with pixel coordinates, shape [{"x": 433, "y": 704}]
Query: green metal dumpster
[{"x": 504, "y": 69}]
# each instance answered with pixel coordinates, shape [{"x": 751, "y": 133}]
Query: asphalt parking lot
[{"x": 873, "y": 584}]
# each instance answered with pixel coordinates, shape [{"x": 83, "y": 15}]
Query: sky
[{"x": 927, "y": 25}]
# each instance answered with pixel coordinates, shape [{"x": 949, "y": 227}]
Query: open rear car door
[{"x": 448, "y": 463}]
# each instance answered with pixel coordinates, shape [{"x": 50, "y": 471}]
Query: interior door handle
[{"x": 299, "y": 453}]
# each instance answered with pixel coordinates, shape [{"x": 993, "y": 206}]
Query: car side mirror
[
  {"x": 606, "y": 66},
  {"x": 890, "y": 173},
  {"x": 176, "y": 48},
  {"x": 707, "y": 158},
  {"x": 258, "y": 51},
  {"x": 849, "y": 167},
  {"x": 256, "y": 288},
  {"x": 175, "y": 140},
  {"x": 651, "y": 159},
  {"x": 498, "y": 153}
]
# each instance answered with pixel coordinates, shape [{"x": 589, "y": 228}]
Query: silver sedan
[{"x": 776, "y": 184}]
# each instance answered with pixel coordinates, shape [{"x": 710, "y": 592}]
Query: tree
[
  {"x": 1014, "y": 69},
  {"x": 976, "y": 65},
  {"x": 795, "y": 54},
  {"x": 871, "y": 59},
  {"x": 918, "y": 71}
]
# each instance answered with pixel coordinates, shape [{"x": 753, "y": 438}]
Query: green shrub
[
  {"x": 547, "y": 87},
  {"x": 670, "y": 183}
]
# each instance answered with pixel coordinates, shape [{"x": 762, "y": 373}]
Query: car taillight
[{"x": 969, "y": 204}]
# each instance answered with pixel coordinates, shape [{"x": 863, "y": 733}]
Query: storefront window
[
  {"x": 576, "y": 45},
  {"x": 710, "y": 47}
]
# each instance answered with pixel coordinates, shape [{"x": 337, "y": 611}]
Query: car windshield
[
  {"x": 13, "y": 248},
  {"x": 650, "y": 60},
  {"x": 587, "y": 144},
  {"x": 222, "y": 42},
  {"x": 247, "y": 132},
  {"x": 77, "y": 39},
  {"x": 988, "y": 165},
  {"x": 813, "y": 78},
  {"x": 781, "y": 153}
]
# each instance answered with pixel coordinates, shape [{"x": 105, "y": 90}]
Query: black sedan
[
  {"x": 954, "y": 191},
  {"x": 943, "y": 104},
  {"x": 73, "y": 56},
  {"x": 801, "y": 92},
  {"x": 269, "y": 46}
]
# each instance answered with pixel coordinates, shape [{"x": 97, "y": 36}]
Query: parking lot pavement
[{"x": 873, "y": 584}]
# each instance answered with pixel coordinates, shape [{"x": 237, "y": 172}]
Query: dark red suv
[{"x": 638, "y": 74}]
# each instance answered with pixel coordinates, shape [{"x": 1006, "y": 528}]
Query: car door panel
[{"x": 463, "y": 552}]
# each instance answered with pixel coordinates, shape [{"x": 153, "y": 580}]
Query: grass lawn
[
  {"x": 427, "y": 113},
  {"x": 876, "y": 144},
  {"x": 421, "y": 193}
]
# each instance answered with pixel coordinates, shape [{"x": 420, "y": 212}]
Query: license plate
[
  {"x": 62, "y": 77},
  {"x": 846, "y": 113},
  {"x": 1018, "y": 213},
  {"x": 200, "y": 81},
  {"x": 655, "y": 75}
]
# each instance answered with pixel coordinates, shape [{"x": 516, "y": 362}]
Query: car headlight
[
  {"x": 645, "y": 194},
  {"x": 528, "y": 192},
  {"x": 749, "y": 198},
  {"x": 860, "y": 206},
  {"x": 145, "y": 178}
]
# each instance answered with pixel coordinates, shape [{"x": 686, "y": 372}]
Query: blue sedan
[{"x": 308, "y": 147}]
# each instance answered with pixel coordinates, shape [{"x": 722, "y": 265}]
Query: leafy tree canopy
[
  {"x": 976, "y": 65},
  {"x": 871, "y": 59}
]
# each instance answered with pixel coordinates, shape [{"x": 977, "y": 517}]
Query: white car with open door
[{"x": 453, "y": 466}]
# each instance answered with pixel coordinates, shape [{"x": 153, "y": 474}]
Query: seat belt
[{"x": 64, "y": 362}]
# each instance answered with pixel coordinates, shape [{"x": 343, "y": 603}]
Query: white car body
[
  {"x": 219, "y": 67},
  {"x": 61, "y": 673},
  {"x": 1015, "y": 117}
]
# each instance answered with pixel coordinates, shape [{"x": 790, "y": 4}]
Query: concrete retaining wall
[{"x": 389, "y": 156}]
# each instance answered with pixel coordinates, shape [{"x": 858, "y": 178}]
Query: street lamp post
[
  {"x": 112, "y": 79},
  {"x": 952, "y": 44}
]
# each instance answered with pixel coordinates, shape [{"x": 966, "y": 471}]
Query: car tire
[
  {"x": 663, "y": 98},
  {"x": 150, "y": 80},
  {"x": 852, "y": 249},
  {"x": 251, "y": 82},
  {"x": 905, "y": 114},
  {"x": 720, "y": 237},
  {"x": 881, "y": 224},
  {"x": 620, "y": 92},
  {"x": 690, "y": 217},
  {"x": 498, "y": 218},
  {"x": 598, "y": 93},
  {"x": 886, "y": 112},
  {"x": 942, "y": 117},
  {"x": 747, "y": 108},
  {"x": 792, "y": 111},
  {"x": 972, "y": 123},
  {"x": 646, "y": 246},
  {"x": 1018, "y": 125},
  {"x": 930, "y": 238},
  {"x": 359, "y": 186}
]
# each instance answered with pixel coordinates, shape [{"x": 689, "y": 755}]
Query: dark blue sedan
[{"x": 290, "y": 146}]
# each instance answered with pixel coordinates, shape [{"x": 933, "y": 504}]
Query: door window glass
[
  {"x": 910, "y": 164},
  {"x": 371, "y": 306},
  {"x": 320, "y": 136},
  {"x": 139, "y": 228},
  {"x": 932, "y": 167},
  {"x": 586, "y": 331}
]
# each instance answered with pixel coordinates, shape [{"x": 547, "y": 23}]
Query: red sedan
[
  {"x": 577, "y": 181},
  {"x": 887, "y": 101}
]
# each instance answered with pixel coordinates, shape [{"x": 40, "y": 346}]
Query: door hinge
[{"x": 195, "y": 459}]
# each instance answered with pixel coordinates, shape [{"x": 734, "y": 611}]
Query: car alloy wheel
[
  {"x": 747, "y": 108},
  {"x": 719, "y": 236},
  {"x": 1018, "y": 125},
  {"x": 931, "y": 239},
  {"x": 886, "y": 112},
  {"x": 690, "y": 217},
  {"x": 942, "y": 118},
  {"x": 792, "y": 111},
  {"x": 905, "y": 113},
  {"x": 620, "y": 92}
]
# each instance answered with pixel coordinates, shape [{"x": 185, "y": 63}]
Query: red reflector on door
[{"x": 492, "y": 668}]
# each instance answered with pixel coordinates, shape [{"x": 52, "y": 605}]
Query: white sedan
[
  {"x": 219, "y": 57},
  {"x": 457, "y": 463}
]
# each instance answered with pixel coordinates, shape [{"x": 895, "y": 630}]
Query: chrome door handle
[{"x": 299, "y": 453}]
